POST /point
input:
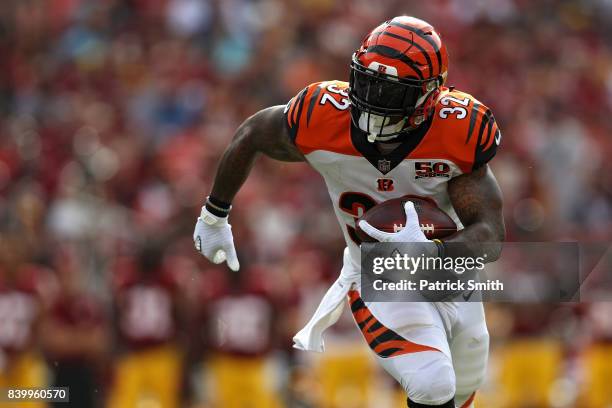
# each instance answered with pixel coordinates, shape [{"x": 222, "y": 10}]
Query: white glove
[
  {"x": 213, "y": 239},
  {"x": 410, "y": 233}
]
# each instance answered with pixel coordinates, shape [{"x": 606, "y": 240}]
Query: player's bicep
[
  {"x": 266, "y": 132},
  {"x": 477, "y": 198}
]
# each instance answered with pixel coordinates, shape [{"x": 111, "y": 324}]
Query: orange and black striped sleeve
[
  {"x": 483, "y": 133},
  {"x": 299, "y": 109},
  {"x": 293, "y": 113}
]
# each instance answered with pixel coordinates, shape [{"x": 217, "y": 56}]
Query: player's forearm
[
  {"x": 477, "y": 200},
  {"x": 234, "y": 167},
  {"x": 480, "y": 239}
]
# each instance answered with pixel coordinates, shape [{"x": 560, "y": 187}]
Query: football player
[
  {"x": 238, "y": 325},
  {"x": 394, "y": 129},
  {"x": 149, "y": 316},
  {"x": 25, "y": 293}
]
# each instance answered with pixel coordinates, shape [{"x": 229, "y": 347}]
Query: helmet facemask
[{"x": 384, "y": 105}]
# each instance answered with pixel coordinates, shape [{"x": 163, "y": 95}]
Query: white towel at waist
[{"x": 310, "y": 338}]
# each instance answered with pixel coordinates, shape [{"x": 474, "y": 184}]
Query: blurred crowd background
[{"x": 113, "y": 117}]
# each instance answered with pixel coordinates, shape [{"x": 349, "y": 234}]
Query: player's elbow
[
  {"x": 245, "y": 144},
  {"x": 495, "y": 236},
  {"x": 499, "y": 231},
  {"x": 246, "y": 131},
  {"x": 260, "y": 131}
]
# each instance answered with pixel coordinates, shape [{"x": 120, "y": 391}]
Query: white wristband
[{"x": 208, "y": 217}]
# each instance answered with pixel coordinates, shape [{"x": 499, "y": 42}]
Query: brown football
[{"x": 389, "y": 216}]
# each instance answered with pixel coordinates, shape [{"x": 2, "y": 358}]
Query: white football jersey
[{"x": 461, "y": 135}]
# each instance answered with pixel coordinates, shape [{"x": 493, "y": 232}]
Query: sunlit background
[{"x": 113, "y": 117}]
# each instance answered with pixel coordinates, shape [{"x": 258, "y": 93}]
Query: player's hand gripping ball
[{"x": 405, "y": 219}]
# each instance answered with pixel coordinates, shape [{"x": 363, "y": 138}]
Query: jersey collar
[{"x": 387, "y": 162}]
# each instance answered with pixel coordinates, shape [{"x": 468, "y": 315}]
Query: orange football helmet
[{"x": 396, "y": 75}]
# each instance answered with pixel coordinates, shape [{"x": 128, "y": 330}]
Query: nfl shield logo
[{"x": 384, "y": 166}]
